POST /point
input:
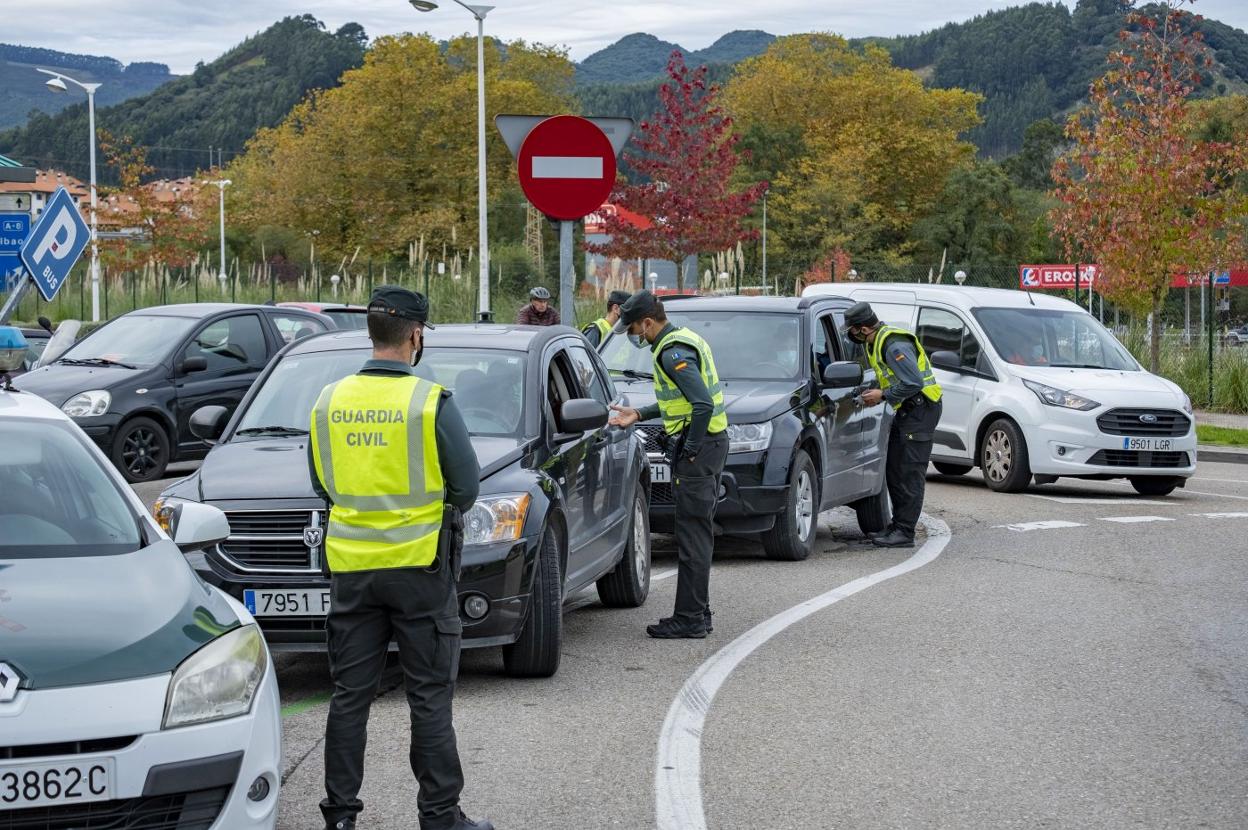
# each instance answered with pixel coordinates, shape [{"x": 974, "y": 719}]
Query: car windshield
[
  {"x": 746, "y": 345},
  {"x": 136, "y": 339},
  {"x": 1053, "y": 338},
  {"x": 488, "y": 386},
  {"x": 56, "y": 500},
  {"x": 347, "y": 320}
]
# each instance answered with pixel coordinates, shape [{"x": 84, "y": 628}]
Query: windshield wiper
[
  {"x": 273, "y": 430},
  {"x": 1081, "y": 366},
  {"x": 633, "y": 373},
  {"x": 95, "y": 361}
]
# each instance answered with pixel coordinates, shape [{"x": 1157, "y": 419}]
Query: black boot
[
  {"x": 347, "y": 823},
  {"x": 465, "y": 823},
  {"x": 671, "y": 629},
  {"x": 706, "y": 617},
  {"x": 896, "y": 539}
]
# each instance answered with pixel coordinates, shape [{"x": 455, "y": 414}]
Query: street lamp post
[
  {"x": 221, "y": 185},
  {"x": 57, "y": 84},
  {"x": 483, "y": 242},
  {"x": 765, "y": 192}
]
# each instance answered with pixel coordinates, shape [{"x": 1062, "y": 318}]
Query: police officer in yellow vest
[
  {"x": 597, "y": 331},
  {"x": 391, "y": 454},
  {"x": 691, "y": 402},
  {"x": 908, "y": 385}
]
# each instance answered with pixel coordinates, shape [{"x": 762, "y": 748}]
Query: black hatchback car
[
  {"x": 563, "y": 501},
  {"x": 800, "y": 440},
  {"x": 133, "y": 383}
]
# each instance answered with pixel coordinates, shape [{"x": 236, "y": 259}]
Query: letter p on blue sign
[{"x": 55, "y": 243}]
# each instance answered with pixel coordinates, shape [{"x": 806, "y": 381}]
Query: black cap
[
  {"x": 617, "y": 297},
  {"x": 640, "y": 305},
  {"x": 859, "y": 314},
  {"x": 400, "y": 302}
]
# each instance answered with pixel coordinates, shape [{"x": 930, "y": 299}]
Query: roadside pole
[
  {"x": 1210, "y": 336},
  {"x": 567, "y": 275},
  {"x": 24, "y": 284}
]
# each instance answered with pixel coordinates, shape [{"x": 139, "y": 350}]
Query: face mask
[
  {"x": 638, "y": 341},
  {"x": 857, "y": 336}
]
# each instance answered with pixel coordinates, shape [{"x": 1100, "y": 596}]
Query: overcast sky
[{"x": 182, "y": 32}]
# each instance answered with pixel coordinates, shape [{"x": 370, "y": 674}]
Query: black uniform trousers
[
  {"x": 419, "y": 609},
  {"x": 696, "y": 491},
  {"x": 909, "y": 449}
]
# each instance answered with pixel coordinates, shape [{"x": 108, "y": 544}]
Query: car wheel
[
  {"x": 141, "y": 450},
  {"x": 1004, "y": 456},
  {"x": 947, "y": 469},
  {"x": 1154, "y": 485},
  {"x": 874, "y": 513},
  {"x": 629, "y": 584},
  {"x": 536, "y": 653},
  {"x": 792, "y": 538}
]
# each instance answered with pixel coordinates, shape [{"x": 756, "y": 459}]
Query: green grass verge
[{"x": 1223, "y": 436}]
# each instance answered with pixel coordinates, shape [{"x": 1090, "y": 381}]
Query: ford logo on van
[{"x": 1148, "y": 418}]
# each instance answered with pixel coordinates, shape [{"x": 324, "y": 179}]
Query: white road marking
[
  {"x": 1222, "y": 480},
  {"x": 1023, "y": 527},
  {"x": 567, "y": 167},
  {"x": 1221, "y": 515},
  {"x": 678, "y": 767},
  {"x": 1093, "y": 500},
  {"x": 655, "y": 577},
  {"x": 1132, "y": 520},
  {"x": 1183, "y": 490}
]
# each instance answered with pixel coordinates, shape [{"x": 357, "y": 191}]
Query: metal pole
[
  {"x": 1210, "y": 334},
  {"x": 95, "y": 248},
  {"x": 567, "y": 276},
  {"x": 221, "y": 187},
  {"x": 24, "y": 283},
  {"x": 1187, "y": 312},
  {"x": 764, "y": 245},
  {"x": 1077, "y": 267},
  {"x": 483, "y": 235}
]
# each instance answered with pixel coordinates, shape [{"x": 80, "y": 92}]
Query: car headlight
[
  {"x": 1187, "y": 404},
  {"x": 219, "y": 681},
  {"x": 496, "y": 519},
  {"x": 1059, "y": 397},
  {"x": 88, "y": 404},
  {"x": 749, "y": 437}
]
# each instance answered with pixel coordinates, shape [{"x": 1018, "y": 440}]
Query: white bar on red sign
[{"x": 567, "y": 167}]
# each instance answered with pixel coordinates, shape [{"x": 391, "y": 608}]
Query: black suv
[
  {"x": 133, "y": 383},
  {"x": 799, "y": 439}
]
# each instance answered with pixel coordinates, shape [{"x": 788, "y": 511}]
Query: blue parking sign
[{"x": 56, "y": 243}]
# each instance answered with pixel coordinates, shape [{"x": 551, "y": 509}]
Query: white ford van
[{"x": 1035, "y": 387}]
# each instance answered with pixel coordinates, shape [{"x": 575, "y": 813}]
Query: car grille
[
  {"x": 8, "y": 753},
  {"x": 1167, "y": 424},
  {"x": 196, "y": 810},
  {"x": 661, "y": 494},
  {"x": 272, "y": 540},
  {"x": 650, "y": 437},
  {"x": 1132, "y": 458}
]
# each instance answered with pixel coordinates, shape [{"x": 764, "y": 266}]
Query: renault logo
[
  {"x": 1148, "y": 418},
  {"x": 314, "y": 534},
  {"x": 9, "y": 681}
]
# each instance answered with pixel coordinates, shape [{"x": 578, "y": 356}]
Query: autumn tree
[
  {"x": 686, "y": 159},
  {"x": 857, "y": 150},
  {"x": 1140, "y": 192},
  {"x": 390, "y": 155}
]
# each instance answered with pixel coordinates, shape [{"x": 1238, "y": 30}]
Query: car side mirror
[
  {"x": 193, "y": 364},
  {"x": 581, "y": 415},
  {"x": 196, "y": 526},
  {"x": 843, "y": 374},
  {"x": 208, "y": 422},
  {"x": 949, "y": 361}
]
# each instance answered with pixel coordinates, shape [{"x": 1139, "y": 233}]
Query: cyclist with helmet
[{"x": 539, "y": 311}]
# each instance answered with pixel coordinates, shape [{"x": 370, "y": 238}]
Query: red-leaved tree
[
  {"x": 1139, "y": 191},
  {"x": 687, "y": 157}
]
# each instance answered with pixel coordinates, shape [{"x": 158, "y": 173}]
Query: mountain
[
  {"x": 22, "y": 88},
  {"x": 640, "y": 58},
  {"x": 221, "y": 104}
]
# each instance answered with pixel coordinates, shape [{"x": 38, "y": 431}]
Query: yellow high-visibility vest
[
  {"x": 674, "y": 407},
  {"x": 375, "y": 450},
  {"x": 884, "y": 373},
  {"x": 604, "y": 328}
]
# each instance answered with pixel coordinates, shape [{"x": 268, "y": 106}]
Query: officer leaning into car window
[
  {"x": 390, "y": 452},
  {"x": 596, "y": 332},
  {"x": 908, "y": 385},
  {"x": 690, "y": 399}
]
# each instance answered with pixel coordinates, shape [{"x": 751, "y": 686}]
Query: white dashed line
[
  {"x": 1220, "y": 515},
  {"x": 1083, "y": 500},
  {"x": 678, "y": 767},
  {"x": 1023, "y": 527},
  {"x": 1135, "y": 520},
  {"x": 655, "y": 577}
]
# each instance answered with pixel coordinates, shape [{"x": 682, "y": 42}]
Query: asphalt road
[{"x": 1072, "y": 657}]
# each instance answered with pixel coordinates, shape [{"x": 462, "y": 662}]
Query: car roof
[
  {"x": 28, "y": 405},
  {"x": 965, "y": 297},
  {"x": 507, "y": 337},
  {"x": 195, "y": 310},
  {"x": 732, "y": 302}
]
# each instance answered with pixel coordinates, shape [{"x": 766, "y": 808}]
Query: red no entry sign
[{"x": 567, "y": 167}]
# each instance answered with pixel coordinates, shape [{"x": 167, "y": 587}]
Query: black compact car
[
  {"x": 800, "y": 441},
  {"x": 563, "y": 501},
  {"x": 133, "y": 383}
]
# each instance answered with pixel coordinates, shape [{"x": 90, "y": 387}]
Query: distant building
[
  {"x": 45, "y": 184},
  {"x": 633, "y": 272}
]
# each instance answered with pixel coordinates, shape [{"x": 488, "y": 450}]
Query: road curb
[{"x": 1221, "y": 455}]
